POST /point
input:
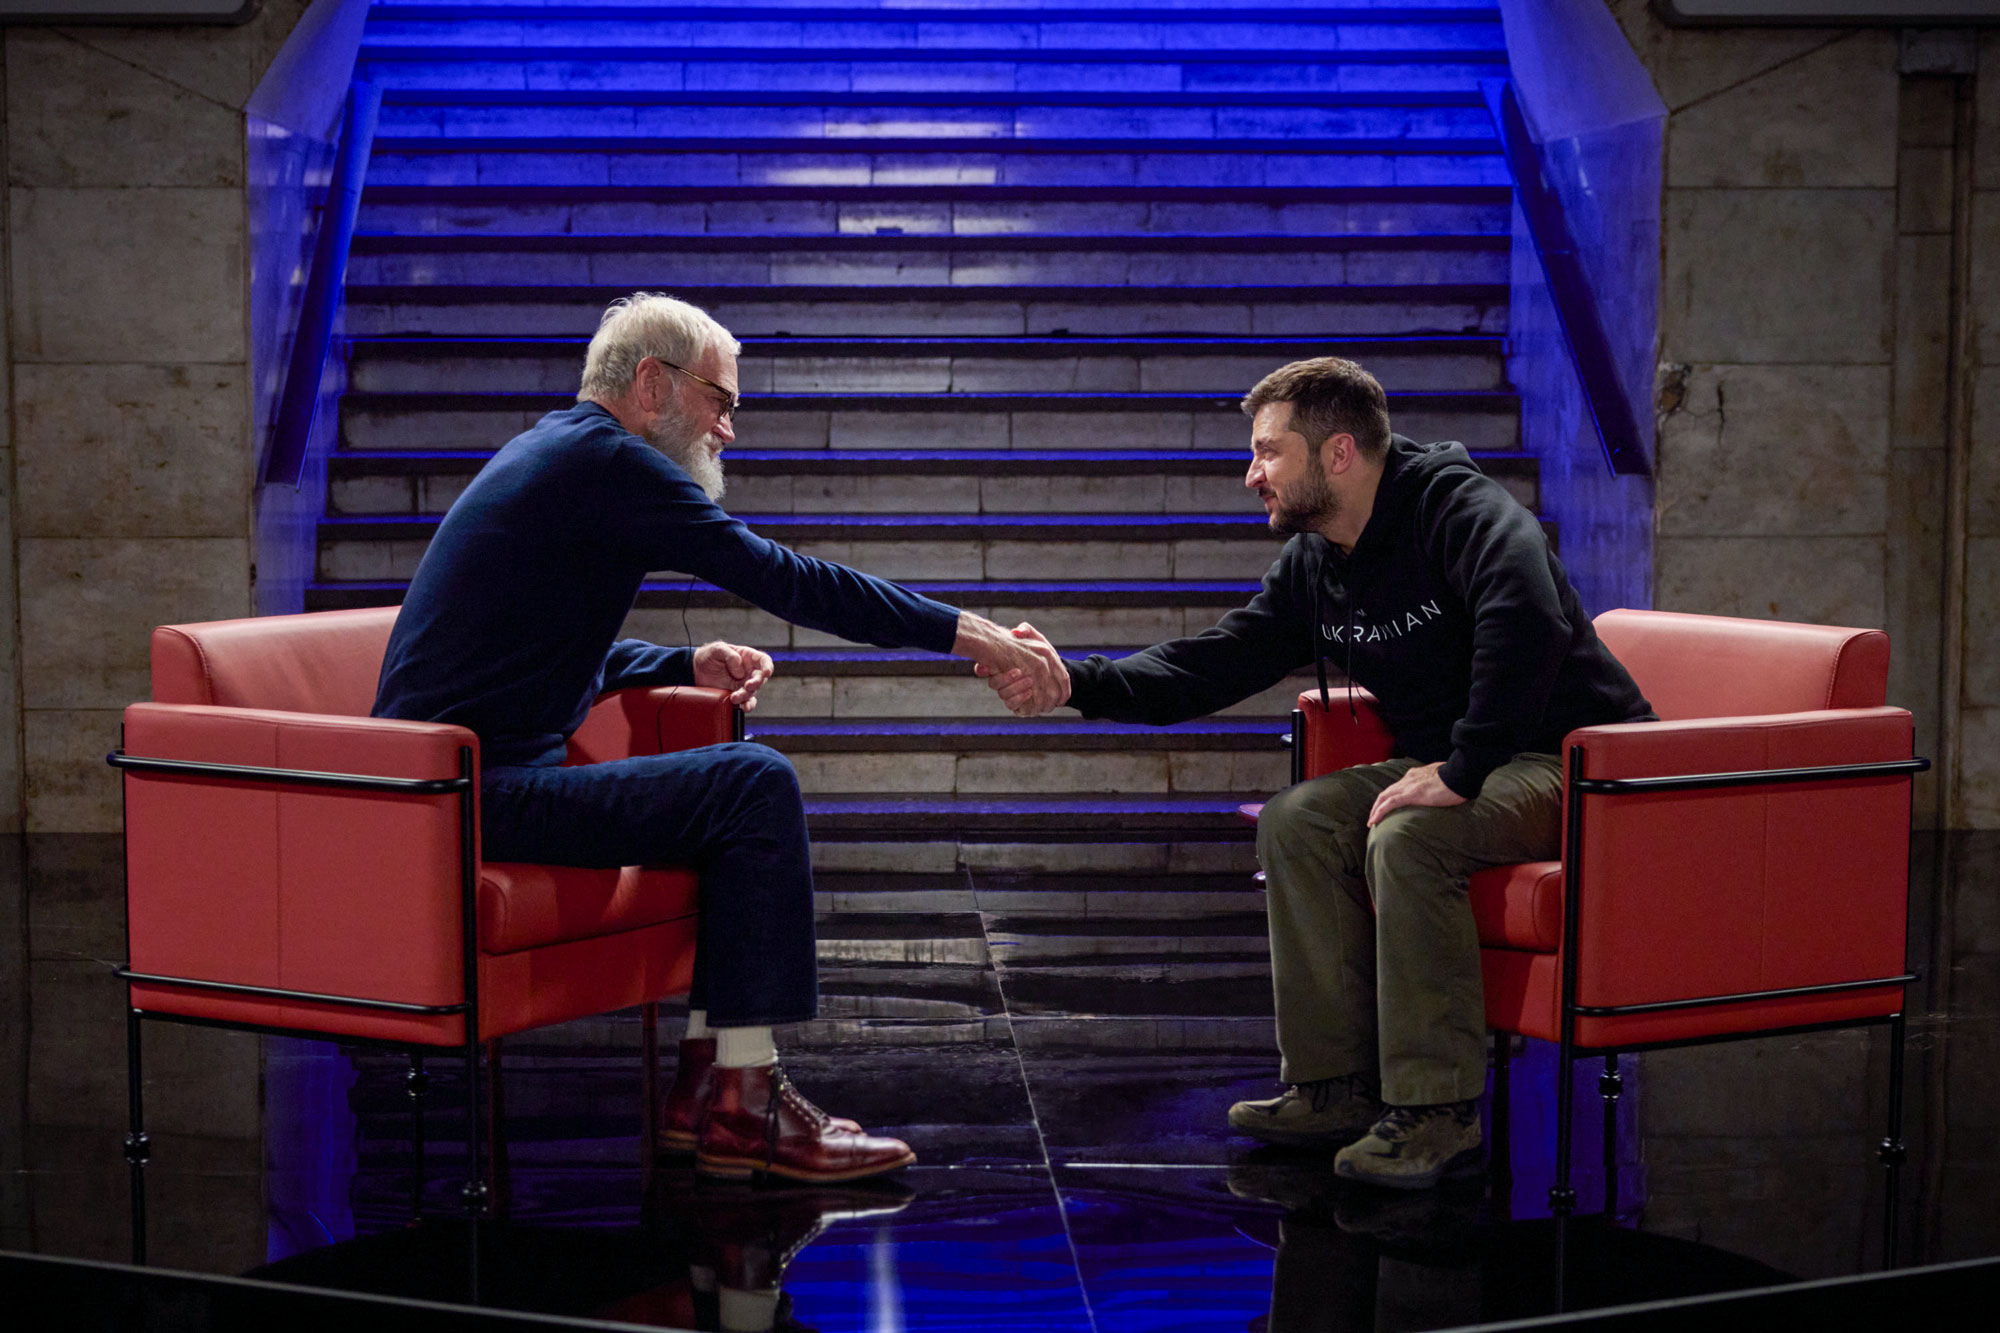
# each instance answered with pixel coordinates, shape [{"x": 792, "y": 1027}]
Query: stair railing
[
  {"x": 326, "y": 281},
  {"x": 1612, "y": 412}
]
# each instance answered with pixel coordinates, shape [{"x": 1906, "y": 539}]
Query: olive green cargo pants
[{"x": 1374, "y": 957}]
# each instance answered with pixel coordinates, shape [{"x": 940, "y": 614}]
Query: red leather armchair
[
  {"x": 1739, "y": 867},
  {"x": 296, "y": 866}
]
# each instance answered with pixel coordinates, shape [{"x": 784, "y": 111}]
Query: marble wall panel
[
  {"x": 1978, "y": 804},
  {"x": 1986, "y": 134},
  {"x": 127, "y": 275},
  {"x": 1778, "y": 275},
  {"x": 131, "y": 451},
  {"x": 89, "y": 605},
  {"x": 11, "y": 813},
  {"x": 222, "y": 64},
  {"x": 1918, "y": 418},
  {"x": 1985, "y": 293},
  {"x": 1822, "y": 580},
  {"x": 1769, "y": 450},
  {"x": 76, "y": 116},
  {"x": 1982, "y": 622},
  {"x": 69, "y": 788},
  {"x": 1983, "y": 492},
  {"x": 1688, "y": 64},
  {"x": 1827, "y": 118}
]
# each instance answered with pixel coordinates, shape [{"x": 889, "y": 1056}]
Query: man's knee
[
  {"x": 1308, "y": 814},
  {"x": 757, "y": 772},
  {"x": 1409, "y": 842}
]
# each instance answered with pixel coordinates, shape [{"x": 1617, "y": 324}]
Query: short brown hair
[{"x": 1330, "y": 395}]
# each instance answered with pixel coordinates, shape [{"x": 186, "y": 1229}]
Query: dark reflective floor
[{"x": 1060, "y": 1051}]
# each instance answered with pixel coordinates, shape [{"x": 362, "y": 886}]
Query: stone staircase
[{"x": 1001, "y": 277}]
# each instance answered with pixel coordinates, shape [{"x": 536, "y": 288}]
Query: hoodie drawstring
[{"x": 1319, "y": 656}]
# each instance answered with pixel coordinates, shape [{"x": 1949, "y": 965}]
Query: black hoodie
[{"x": 1451, "y": 609}]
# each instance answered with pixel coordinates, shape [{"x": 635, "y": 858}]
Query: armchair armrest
[
  {"x": 1337, "y": 738},
  {"x": 294, "y": 885},
  {"x": 1741, "y": 888},
  {"x": 656, "y": 720}
]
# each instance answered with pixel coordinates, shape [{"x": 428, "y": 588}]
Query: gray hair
[{"x": 647, "y": 324}]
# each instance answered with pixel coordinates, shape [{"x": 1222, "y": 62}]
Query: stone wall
[
  {"x": 1807, "y": 350},
  {"x": 128, "y": 429},
  {"x": 1821, "y": 363}
]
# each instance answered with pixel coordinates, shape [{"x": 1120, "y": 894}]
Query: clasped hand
[
  {"x": 730, "y": 666},
  {"x": 1020, "y": 664}
]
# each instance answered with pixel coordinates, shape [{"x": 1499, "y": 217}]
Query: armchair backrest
[
  {"x": 1692, "y": 666},
  {"x": 321, "y": 662}
]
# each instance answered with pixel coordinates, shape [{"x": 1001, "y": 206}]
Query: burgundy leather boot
[
  {"x": 680, "y": 1113},
  {"x": 759, "y": 1124}
]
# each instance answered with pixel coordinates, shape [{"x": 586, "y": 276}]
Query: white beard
[{"x": 692, "y": 454}]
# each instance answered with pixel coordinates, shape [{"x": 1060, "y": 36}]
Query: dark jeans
[{"x": 732, "y": 812}]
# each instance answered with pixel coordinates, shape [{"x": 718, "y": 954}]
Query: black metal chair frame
[
  {"x": 1891, "y": 1152},
  {"x": 476, "y": 1190}
]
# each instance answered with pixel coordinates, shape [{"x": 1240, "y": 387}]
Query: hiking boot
[
  {"x": 679, "y": 1131},
  {"x": 758, "y": 1124},
  {"x": 1325, "y": 1113},
  {"x": 1414, "y": 1147}
]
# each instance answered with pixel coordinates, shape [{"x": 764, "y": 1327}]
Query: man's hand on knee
[
  {"x": 1419, "y": 786},
  {"x": 730, "y": 666},
  {"x": 1020, "y": 664}
]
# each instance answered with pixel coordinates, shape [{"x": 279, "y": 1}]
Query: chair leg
[
  {"x": 1891, "y": 1152},
  {"x": 474, "y": 1189},
  {"x": 1500, "y": 1153},
  {"x": 497, "y": 1166},
  {"x": 1609, "y": 1085},
  {"x": 418, "y": 1083},
  {"x": 1562, "y": 1197},
  {"x": 649, "y": 1092},
  {"x": 138, "y": 1144}
]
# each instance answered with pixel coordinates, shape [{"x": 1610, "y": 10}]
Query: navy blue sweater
[{"x": 509, "y": 624}]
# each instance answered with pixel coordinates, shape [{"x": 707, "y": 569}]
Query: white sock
[
  {"x": 748, "y": 1311},
  {"x": 697, "y": 1024},
  {"x": 744, "y": 1048}
]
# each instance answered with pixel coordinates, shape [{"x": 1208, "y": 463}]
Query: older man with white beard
[{"x": 509, "y": 628}]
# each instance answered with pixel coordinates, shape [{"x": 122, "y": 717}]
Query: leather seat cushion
[
  {"x": 524, "y": 906},
  {"x": 1519, "y": 906}
]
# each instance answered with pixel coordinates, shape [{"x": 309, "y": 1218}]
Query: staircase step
[
  {"x": 672, "y": 594},
  {"x": 407, "y": 114},
  {"x": 895, "y": 71},
  {"x": 803, "y": 690},
  {"x": 895, "y": 481},
  {"x": 1047, "y": 772},
  {"x": 934, "y": 365},
  {"x": 911, "y": 546},
  {"x": 971, "y": 421},
  {"x": 910, "y": 262},
  {"x": 929, "y": 27},
  {"x": 1016, "y": 817},
  {"x": 758, "y": 309},
  {"x": 685, "y": 164},
  {"x": 918, "y": 211},
  {"x": 1012, "y": 735},
  {"x": 859, "y": 481}
]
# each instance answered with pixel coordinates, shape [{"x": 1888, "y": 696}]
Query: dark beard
[{"x": 1308, "y": 508}]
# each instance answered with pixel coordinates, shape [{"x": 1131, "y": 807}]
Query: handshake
[{"x": 1020, "y": 664}]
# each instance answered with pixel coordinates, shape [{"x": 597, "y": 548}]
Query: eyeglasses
[{"x": 730, "y": 401}]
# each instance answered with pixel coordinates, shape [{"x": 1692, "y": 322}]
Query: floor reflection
[{"x": 1060, "y": 1052}]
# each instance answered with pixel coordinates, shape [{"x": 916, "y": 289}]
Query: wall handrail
[
  {"x": 1611, "y": 409},
  {"x": 319, "y": 312}
]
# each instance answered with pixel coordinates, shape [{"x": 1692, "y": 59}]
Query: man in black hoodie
[{"x": 1425, "y": 583}]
